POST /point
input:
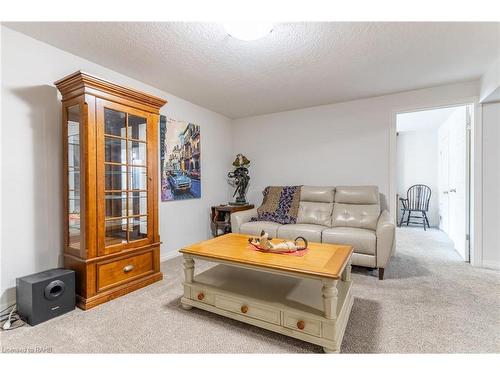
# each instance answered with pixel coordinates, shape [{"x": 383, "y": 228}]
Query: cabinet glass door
[
  {"x": 73, "y": 168},
  {"x": 124, "y": 136}
]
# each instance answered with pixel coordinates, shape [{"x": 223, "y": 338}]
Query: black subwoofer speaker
[{"x": 45, "y": 295}]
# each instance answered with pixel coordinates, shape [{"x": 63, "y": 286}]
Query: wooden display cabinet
[{"x": 110, "y": 174}]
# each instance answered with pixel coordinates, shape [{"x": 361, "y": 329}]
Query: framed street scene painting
[{"x": 180, "y": 160}]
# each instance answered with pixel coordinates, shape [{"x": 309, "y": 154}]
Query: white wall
[
  {"x": 490, "y": 97},
  {"x": 491, "y": 185},
  {"x": 416, "y": 163},
  {"x": 31, "y": 159},
  {"x": 490, "y": 83},
  {"x": 345, "y": 143}
]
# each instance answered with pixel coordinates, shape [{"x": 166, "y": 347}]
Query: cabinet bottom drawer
[{"x": 115, "y": 272}]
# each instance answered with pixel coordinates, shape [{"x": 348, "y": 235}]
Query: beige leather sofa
[{"x": 338, "y": 215}]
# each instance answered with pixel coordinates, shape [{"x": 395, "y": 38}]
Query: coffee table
[{"x": 306, "y": 297}]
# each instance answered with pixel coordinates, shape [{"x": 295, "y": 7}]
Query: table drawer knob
[
  {"x": 201, "y": 296},
  {"x": 244, "y": 309},
  {"x": 128, "y": 268},
  {"x": 301, "y": 324}
]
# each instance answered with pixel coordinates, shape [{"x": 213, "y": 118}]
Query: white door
[
  {"x": 443, "y": 180},
  {"x": 453, "y": 180}
]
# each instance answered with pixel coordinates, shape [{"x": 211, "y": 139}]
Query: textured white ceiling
[
  {"x": 424, "y": 120},
  {"x": 297, "y": 65}
]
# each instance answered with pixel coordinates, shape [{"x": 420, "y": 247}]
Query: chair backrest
[{"x": 418, "y": 197}]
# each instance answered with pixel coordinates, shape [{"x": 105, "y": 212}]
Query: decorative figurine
[
  {"x": 264, "y": 243},
  {"x": 240, "y": 179}
]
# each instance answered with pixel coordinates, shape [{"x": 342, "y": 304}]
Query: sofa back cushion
[
  {"x": 316, "y": 205},
  {"x": 356, "y": 207}
]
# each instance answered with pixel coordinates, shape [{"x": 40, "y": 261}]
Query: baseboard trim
[
  {"x": 491, "y": 265},
  {"x": 168, "y": 256}
]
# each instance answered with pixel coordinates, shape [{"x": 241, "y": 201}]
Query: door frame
[{"x": 476, "y": 169}]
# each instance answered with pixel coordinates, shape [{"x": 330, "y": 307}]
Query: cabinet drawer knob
[
  {"x": 301, "y": 324},
  {"x": 201, "y": 296},
  {"x": 244, "y": 309},
  {"x": 128, "y": 268}
]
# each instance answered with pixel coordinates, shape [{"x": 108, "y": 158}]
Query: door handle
[
  {"x": 453, "y": 190},
  {"x": 445, "y": 192}
]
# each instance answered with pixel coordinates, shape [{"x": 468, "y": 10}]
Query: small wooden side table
[{"x": 221, "y": 217}]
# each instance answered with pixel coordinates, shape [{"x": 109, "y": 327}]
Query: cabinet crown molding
[{"x": 80, "y": 82}]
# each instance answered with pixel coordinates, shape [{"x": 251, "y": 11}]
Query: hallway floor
[{"x": 430, "y": 302}]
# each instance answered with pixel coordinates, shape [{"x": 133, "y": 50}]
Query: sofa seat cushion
[
  {"x": 254, "y": 228},
  {"x": 310, "y": 232},
  {"x": 363, "y": 241}
]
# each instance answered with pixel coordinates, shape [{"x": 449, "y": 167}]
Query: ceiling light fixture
[{"x": 248, "y": 30}]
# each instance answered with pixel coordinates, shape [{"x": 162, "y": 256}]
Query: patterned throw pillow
[{"x": 280, "y": 204}]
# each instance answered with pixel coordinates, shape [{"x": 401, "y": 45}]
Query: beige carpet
[{"x": 430, "y": 302}]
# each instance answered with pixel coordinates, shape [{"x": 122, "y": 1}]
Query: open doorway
[{"x": 433, "y": 172}]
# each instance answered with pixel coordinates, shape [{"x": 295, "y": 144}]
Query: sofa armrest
[
  {"x": 241, "y": 217},
  {"x": 386, "y": 231}
]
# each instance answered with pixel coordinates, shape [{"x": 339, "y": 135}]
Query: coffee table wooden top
[{"x": 322, "y": 260}]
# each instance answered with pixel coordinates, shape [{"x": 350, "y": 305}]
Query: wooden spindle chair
[{"x": 417, "y": 200}]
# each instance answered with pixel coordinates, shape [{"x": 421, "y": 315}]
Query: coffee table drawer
[
  {"x": 299, "y": 323},
  {"x": 202, "y": 295},
  {"x": 251, "y": 309}
]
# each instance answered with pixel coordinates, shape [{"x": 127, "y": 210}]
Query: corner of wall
[{"x": 490, "y": 83}]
